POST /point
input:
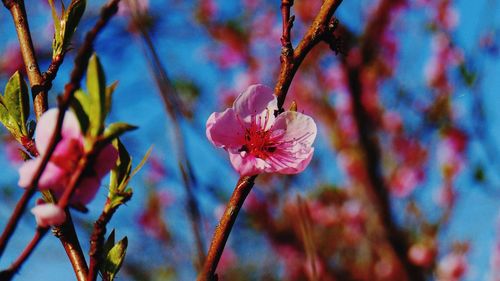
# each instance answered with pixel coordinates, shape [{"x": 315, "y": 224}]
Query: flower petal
[
  {"x": 224, "y": 130},
  {"x": 298, "y": 127},
  {"x": 246, "y": 164},
  {"x": 53, "y": 177},
  {"x": 294, "y": 134},
  {"x": 105, "y": 161},
  {"x": 48, "y": 214},
  {"x": 86, "y": 190},
  {"x": 256, "y": 100},
  {"x": 47, "y": 124},
  {"x": 300, "y": 165}
]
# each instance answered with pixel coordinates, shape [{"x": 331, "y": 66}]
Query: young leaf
[
  {"x": 5, "y": 117},
  {"x": 109, "y": 92},
  {"x": 121, "y": 171},
  {"x": 17, "y": 101},
  {"x": 81, "y": 106},
  {"x": 115, "y": 130},
  {"x": 55, "y": 18},
  {"x": 143, "y": 161},
  {"x": 72, "y": 18},
  {"x": 110, "y": 242},
  {"x": 114, "y": 259},
  {"x": 96, "y": 87}
]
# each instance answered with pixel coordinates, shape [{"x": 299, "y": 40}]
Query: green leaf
[
  {"x": 72, "y": 18},
  {"x": 114, "y": 259},
  {"x": 109, "y": 93},
  {"x": 96, "y": 87},
  {"x": 81, "y": 106},
  {"x": 110, "y": 242},
  {"x": 5, "y": 117},
  {"x": 121, "y": 171},
  {"x": 143, "y": 161},
  {"x": 17, "y": 101},
  {"x": 115, "y": 130},
  {"x": 468, "y": 76},
  {"x": 55, "y": 18}
]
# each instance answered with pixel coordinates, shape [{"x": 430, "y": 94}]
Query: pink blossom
[
  {"x": 258, "y": 141},
  {"x": 452, "y": 267},
  {"x": 65, "y": 159},
  {"x": 404, "y": 180},
  {"x": 48, "y": 214},
  {"x": 421, "y": 254},
  {"x": 126, "y": 8}
]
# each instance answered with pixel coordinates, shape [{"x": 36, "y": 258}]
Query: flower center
[{"x": 258, "y": 141}]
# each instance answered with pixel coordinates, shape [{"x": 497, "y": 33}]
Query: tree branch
[
  {"x": 81, "y": 62},
  {"x": 291, "y": 59},
  {"x": 376, "y": 189},
  {"x": 223, "y": 230},
  {"x": 35, "y": 78}
]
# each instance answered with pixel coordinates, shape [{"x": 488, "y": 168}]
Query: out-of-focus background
[{"x": 409, "y": 88}]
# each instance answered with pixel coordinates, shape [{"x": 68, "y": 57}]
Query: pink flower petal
[
  {"x": 53, "y": 177},
  {"x": 46, "y": 126},
  {"x": 247, "y": 164},
  {"x": 105, "y": 161},
  {"x": 224, "y": 130},
  {"x": 298, "y": 127},
  {"x": 48, "y": 214},
  {"x": 299, "y": 166},
  {"x": 86, "y": 190},
  {"x": 294, "y": 151},
  {"x": 257, "y": 100}
]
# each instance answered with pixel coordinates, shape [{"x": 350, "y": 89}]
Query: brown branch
[
  {"x": 291, "y": 59},
  {"x": 8, "y": 274},
  {"x": 376, "y": 189},
  {"x": 290, "y": 62},
  {"x": 96, "y": 242},
  {"x": 223, "y": 230},
  {"x": 35, "y": 78},
  {"x": 81, "y": 62},
  {"x": 63, "y": 203},
  {"x": 69, "y": 239}
]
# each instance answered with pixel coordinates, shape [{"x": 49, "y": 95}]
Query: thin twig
[
  {"x": 97, "y": 240},
  {"x": 8, "y": 274},
  {"x": 223, "y": 230},
  {"x": 291, "y": 59},
  {"x": 174, "y": 108},
  {"x": 81, "y": 62},
  {"x": 41, "y": 231}
]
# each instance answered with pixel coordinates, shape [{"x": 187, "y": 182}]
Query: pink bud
[{"x": 48, "y": 215}]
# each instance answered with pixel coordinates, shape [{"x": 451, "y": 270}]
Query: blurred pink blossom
[
  {"x": 65, "y": 159},
  {"x": 48, "y": 214},
  {"x": 12, "y": 60},
  {"x": 404, "y": 180},
  {"x": 259, "y": 142},
  {"x": 421, "y": 255},
  {"x": 452, "y": 267},
  {"x": 126, "y": 8}
]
